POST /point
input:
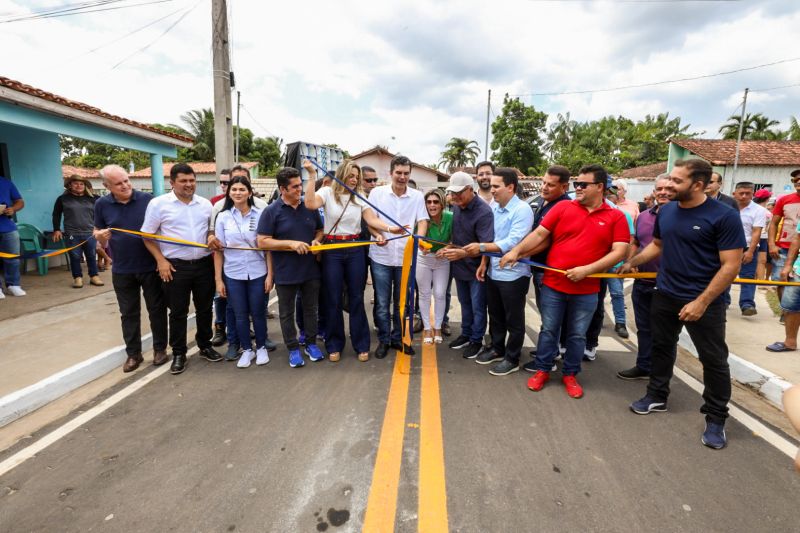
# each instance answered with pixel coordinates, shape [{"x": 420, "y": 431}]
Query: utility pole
[
  {"x": 488, "y": 109},
  {"x": 238, "y": 108},
  {"x": 739, "y": 138},
  {"x": 223, "y": 82}
]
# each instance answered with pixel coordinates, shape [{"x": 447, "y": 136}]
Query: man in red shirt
[
  {"x": 224, "y": 179},
  {"x": 585, "y": 236},
  {"x": 785, "y": 215}
]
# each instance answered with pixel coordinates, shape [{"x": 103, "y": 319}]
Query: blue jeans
[
  {"x": 341, "y": 269},
  {"x": 9, "y": 243},
  {"x": 617, "y": 299},
  {"x": 220, "y": 307},
  {"x": 472, "y": 297},
  {"x": 246, "y": 297},
  {"x": 87, "y": 250},
  {"x": 747, "y": 292},
  {"x": 574, "y": 312},
  {"x": 386, "y": 282}
]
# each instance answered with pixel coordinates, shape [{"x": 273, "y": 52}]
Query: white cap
[{"x": 459, "y": 181}]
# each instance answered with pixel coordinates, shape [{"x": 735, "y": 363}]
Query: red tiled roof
[
  {"x": 199, "y": 168},
  {"x": 380, "y": 150},
  {"x": 759, "y": 153},
  {"x": 646, "y": 171},
  {"x": 33, "y": 91},
  {"x": 90, "y": 173}
]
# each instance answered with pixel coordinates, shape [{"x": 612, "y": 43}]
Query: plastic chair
[{"x": 30, "y": 240}]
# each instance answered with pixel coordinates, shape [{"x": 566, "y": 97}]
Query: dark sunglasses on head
[
  {"x": 583, "y": 184},
  {"x": 370, "y": 180}
]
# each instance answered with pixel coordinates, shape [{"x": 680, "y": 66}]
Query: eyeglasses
[
  {"x": 583, "y": 184},
  {"x": 433, "y": 202},
  {"x": 370, "y": 180}
]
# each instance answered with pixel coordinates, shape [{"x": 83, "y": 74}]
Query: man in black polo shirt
[
  {"x": 134, "y": 271},
  {"x": 288, "y": 227},
  {"x": 473, "y": 222}
]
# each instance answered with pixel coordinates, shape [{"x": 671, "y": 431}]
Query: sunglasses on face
[
  {"x": 224, "y": 183},
  {"x": 433, "y": 202},
  {"x": 370, "y": 180},
  {"x": 583, "y": 184}
]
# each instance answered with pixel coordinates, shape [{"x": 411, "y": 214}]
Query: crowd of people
[{"x": 481, "y": 233}]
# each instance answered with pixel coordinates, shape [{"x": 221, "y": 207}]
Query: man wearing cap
[
  {"x": 785, "y": 216},
  {"x": 754, "y": 219},
  {"x": 588, "y": 236},
  {"x": 472, "y": 223},
  {"x": 76, "y": 206}
]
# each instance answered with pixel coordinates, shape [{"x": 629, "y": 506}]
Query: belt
[
  {"x": 354, "y": 237},
  {"x": 188, "y": 261}
]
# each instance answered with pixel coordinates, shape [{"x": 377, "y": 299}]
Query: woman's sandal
[
  {"x": 334, "y": 356},
  {"x": 427, "y": 337},
  {"x": 437, "y": 337}
]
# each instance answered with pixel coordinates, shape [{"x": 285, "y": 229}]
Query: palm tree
[
  {"x": 794, "y": 129},
  {"x": 459, "y": 152},
  {"x": 730, "y": 130},
  {"x": 756, "y": 127},
  {"x": 200, "y": 126}
]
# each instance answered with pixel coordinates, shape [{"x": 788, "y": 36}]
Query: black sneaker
[
  {"x": 219, "y": 335},
  {"x": 459, "y": 343},
  {"x": 633, "y": 374},
  {"x": 530, "y": 366},
  {"x": 405, "y": 348},
  {"x": 621, "y": 330},
  {"x": 210, "y": 354},
  {"x": 487, "y": 356},
  {"x": 504, "y": 368},
  {"x": 381, "y": 350},
  {"x": 471, "y": 351}
]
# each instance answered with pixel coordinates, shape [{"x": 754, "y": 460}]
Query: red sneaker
[
  {"x": 574, "y": 388},
  {"x": 537, "y": 381}
]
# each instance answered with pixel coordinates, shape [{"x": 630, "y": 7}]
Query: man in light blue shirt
[{"x": 506, "y": 288}]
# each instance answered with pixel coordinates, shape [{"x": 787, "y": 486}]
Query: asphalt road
[{"x": 429, "y": 443}]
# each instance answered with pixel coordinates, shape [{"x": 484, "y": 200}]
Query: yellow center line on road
[
  {"x": 382, "y": 502},
  {"x": 432, "y": 505}
]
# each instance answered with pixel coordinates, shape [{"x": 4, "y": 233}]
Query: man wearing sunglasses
[
  {"x": 586, "y": 236},
  {"x": 369, "y": 180}
]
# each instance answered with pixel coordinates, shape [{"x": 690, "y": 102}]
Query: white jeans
[{"x": 432, "y": 275}]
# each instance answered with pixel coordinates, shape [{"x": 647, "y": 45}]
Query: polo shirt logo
[
  {"x": 696, "y": 227},
  {"x": 602, "y": 223}
]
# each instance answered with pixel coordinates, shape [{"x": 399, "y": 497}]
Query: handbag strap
[{"x": 336, "y": 224}]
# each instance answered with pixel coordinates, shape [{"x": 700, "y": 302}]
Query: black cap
[{"x": 795, "y": 173}]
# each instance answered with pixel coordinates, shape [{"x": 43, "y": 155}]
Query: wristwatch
[{"x": 482, "y": 248}]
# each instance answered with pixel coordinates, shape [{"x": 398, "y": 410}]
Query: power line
[
  {"x": 257, "y": 122},
  {"x": 774, "y": 88},
  {"x": 13, "y": 17},
  {"x": 81, "y": 12},
  {"x": 169, "y": 28},
  {"x": 640, "y": 85}
]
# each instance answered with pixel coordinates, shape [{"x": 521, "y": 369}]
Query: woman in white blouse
[
  {"x": 244, "y": 277},
  {"x": 346, "y": 267}
]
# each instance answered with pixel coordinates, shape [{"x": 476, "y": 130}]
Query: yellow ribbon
[{"x": 53, "y": 253}]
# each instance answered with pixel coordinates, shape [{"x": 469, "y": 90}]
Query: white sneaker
[
  {"x": 245, "y": 359},
  {"x": 16, "y": 290},
  {"x": 2, "y": 294},
  {"x": 590, "y": 355},
  {"x": 262, "y": 356},
  {"x": 561, "y": 349}
]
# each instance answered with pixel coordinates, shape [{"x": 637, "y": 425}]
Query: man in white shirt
[
  {"x": 754, "y": 219},
  {"x": 405, "y": 206},
  {"x": 186, "y": 271}
]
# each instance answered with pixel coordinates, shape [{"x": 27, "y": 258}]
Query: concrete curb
[
  {"x": 24, "y": 401},
  {"x": 769, "y": 385}
]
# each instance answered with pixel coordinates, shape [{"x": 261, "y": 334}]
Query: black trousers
[
  {"x": 287, "y": 296},
  {"x": 506, "y": 303},
  {"x": 129, "y": 289},
  {"x": 708, "y": 336},
  {"x": 596, "y": 326},
  {"x": 191, "y": 280}
]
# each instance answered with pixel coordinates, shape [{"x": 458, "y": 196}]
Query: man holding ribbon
[
  {"x": 186, "y": 271},
  {"x": 134, "y": 273}
]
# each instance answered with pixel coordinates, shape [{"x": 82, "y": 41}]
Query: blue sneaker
[
  {"x": 233, "y": 352},
  {"x": 648, "y": 405},
  {"x": 314, "y": 353},
  {"x": 301, "y": 338},
  {"x": 295, "y": 359},
  {"x": 714, "y": 436}
]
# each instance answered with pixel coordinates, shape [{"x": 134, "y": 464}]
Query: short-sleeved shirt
[
  {"x": 752, "y": 216},
  {"x": 691, "y": 240},
  {"x": 284, "y": 222},
  {"x": 130, "y": 254},
  {"x": 8, "y": 195},
  {"x": 350, "y": 222},
  {"x": 579, "y": 238},
  {"x": 239, "y": 231},
  {"x": 512, "y": 223},
  {"x": 787, "y": 207},
  {"x": 540, "y": 209},
  {"x": 167, "y": 215},
  {"x": 407, "y": 210},
  {"x": 442, "y": 232},
  {"x": 473, "y": 223},
  {"x": 645, "y": 224}
]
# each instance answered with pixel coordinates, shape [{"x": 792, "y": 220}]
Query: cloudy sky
[{"x": 410, "y": 75}]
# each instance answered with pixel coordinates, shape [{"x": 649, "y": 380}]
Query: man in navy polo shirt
[
  {"x": 700, "y": 243},
  {"x": 288, "y": 228},
  {"x": 134, "y": 271}
]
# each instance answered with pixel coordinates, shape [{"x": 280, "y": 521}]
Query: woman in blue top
[{"x": 243, "y": 276}]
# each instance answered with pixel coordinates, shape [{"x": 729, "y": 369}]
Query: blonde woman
[{"x": 342, "y": 213}]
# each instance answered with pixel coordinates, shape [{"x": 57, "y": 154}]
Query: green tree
[
  {"x": 518, "y": 134},
  {"x": 267, "y": 151},
  {"x": 200, "y": 127},
  {"x": 794, "y": 129},
  {"x": 756, "y": 127},
  {"x": 459, "y": 152},
  {"x": 82, "y": 153}
]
